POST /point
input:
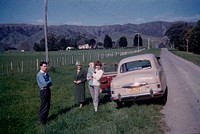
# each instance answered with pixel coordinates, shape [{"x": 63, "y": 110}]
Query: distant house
[
  {"x": 70, "y": 48},
  {"x": 85, "y": 46}
]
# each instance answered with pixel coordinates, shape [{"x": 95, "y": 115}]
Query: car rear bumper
[
  {"x": 105, "y": 90},
  {"x": 138, "y": 96}
]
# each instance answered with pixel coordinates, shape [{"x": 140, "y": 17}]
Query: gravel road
[{"x": 182, "y": 111}]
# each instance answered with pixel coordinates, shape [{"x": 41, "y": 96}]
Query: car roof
[
  {"x": 138, "y": 57},
  {"x": 150, "y": 57}
]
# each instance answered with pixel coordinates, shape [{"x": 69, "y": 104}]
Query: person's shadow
[
  {"x": 61, "y": 111},
  {"x": 105, "y": 98},
  {"x": 65, "y": 110}
]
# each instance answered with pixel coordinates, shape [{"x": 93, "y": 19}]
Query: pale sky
[{"x": 98, "y": 12}]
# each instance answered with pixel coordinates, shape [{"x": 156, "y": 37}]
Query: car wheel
[
  {"x": 119, "y": 104},
  {"x": 163, "y": 99}
]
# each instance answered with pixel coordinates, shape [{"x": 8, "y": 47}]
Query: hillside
[{"x": 25, "y": 35}]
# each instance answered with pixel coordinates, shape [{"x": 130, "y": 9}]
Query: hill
[{"x": 23, "y": 36}]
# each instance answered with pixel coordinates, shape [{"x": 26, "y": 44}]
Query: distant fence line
[{"x": 25, "y": 66}]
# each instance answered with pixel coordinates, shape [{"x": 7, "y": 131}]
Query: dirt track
[{"x": 182, "y": 111}]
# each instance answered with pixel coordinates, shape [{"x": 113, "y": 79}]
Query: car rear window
[{"x": 135, "y": 65}]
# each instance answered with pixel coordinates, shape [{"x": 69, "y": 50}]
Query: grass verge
[{"x": 194, "y": 58}]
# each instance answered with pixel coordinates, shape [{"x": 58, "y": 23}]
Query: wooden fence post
[
  {"x": 57, "y": 62},
  {"x": 7, "y": 69},
  {"x": 11, "y": 66},
  {"x": 2, "y": 68},
  {"x": 83, "y": 58},
  {"x": 72, "y": 60},
  {"x": 22, "y": 69},
  {"x": 18, "y": 67},
  {"x": 37, "y": 65},
  {"x": 98, "y": 56}
]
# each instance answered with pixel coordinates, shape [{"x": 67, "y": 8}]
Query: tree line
[
  {"x": 185, "y": 37},
  {"x": 56, "y": 43}
]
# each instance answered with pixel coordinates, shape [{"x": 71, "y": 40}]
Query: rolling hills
[{"x": 23, "y": 36}]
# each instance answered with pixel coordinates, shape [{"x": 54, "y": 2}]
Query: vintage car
[
  {"x": 106, "y": 80},
  {"x": 139, "y": 77},
  {"x": 110, "y": 71}
]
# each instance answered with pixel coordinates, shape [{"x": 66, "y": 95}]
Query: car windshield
[
  {"x": 109, "y": 67},
  {"x": 135, "y": 65}
]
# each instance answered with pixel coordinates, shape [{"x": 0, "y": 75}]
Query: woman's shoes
[
  {"x": 81, "y": 105},
  {"x": 95, "y": 109}
]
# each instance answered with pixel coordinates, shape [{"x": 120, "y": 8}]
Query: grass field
[
  {"x": 19, "y": 97},
  {"x": 12, "y": 63},
  {"x": 195, "y": 58}
]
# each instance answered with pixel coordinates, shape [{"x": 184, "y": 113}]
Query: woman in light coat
[{"x": 95, "y": 88}]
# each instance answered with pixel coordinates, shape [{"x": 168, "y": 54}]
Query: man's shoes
[{"x": 43, "y": 123}]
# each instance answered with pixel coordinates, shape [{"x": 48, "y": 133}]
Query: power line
[{"x": 94, "y": 11}]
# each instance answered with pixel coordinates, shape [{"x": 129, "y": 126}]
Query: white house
[
  {"x": 85, "y": 46},
  {"x": 70, "y": 48}
]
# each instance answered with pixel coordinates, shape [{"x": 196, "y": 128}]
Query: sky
[{"x": 98, "y": 12}]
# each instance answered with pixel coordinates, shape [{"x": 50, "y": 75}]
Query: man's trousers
[{"x": 45, "y": 99}]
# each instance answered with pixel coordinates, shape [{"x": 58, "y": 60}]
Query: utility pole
[
  {"x": 138, "y": 42},
  {"x": 45, "y": 31}
]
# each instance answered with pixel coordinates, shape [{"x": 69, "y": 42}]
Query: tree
[
  {"x": 194, "y": 39},
  {"x": 39, "y": 46},
  {"x": 123, "y": 42},
  {"x": 74, "y": 41},
  {"x": 107, "y": 42},
  {"x": 62, "y": 44},
  {"x": 52, "y": 44},
  {"x": 92, "y": 43},
  {"x": 135, "y": 41},
  {"x": 81, "y": 42},
  {"x": 174, "y": 33},
  {"x": 36, "y": 47},
  {"x": 184, "y": 36},
  {"x": 24, "y": 46},
  {"x": 99, "y": 44}
]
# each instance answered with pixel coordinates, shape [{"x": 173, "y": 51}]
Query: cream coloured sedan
[{"x": 139, "y": 77}]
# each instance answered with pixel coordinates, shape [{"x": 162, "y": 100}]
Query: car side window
[
  {"x": 135, "y": 65},
  {"x": 123, "y": 68}
]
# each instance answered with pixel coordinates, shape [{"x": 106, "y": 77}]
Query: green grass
[
  {"x": 19, "y": 97},
  {"x": 195, "y": 58}
]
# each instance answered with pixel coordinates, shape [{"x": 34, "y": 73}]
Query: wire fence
[{"x": 26, "y": 65}]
